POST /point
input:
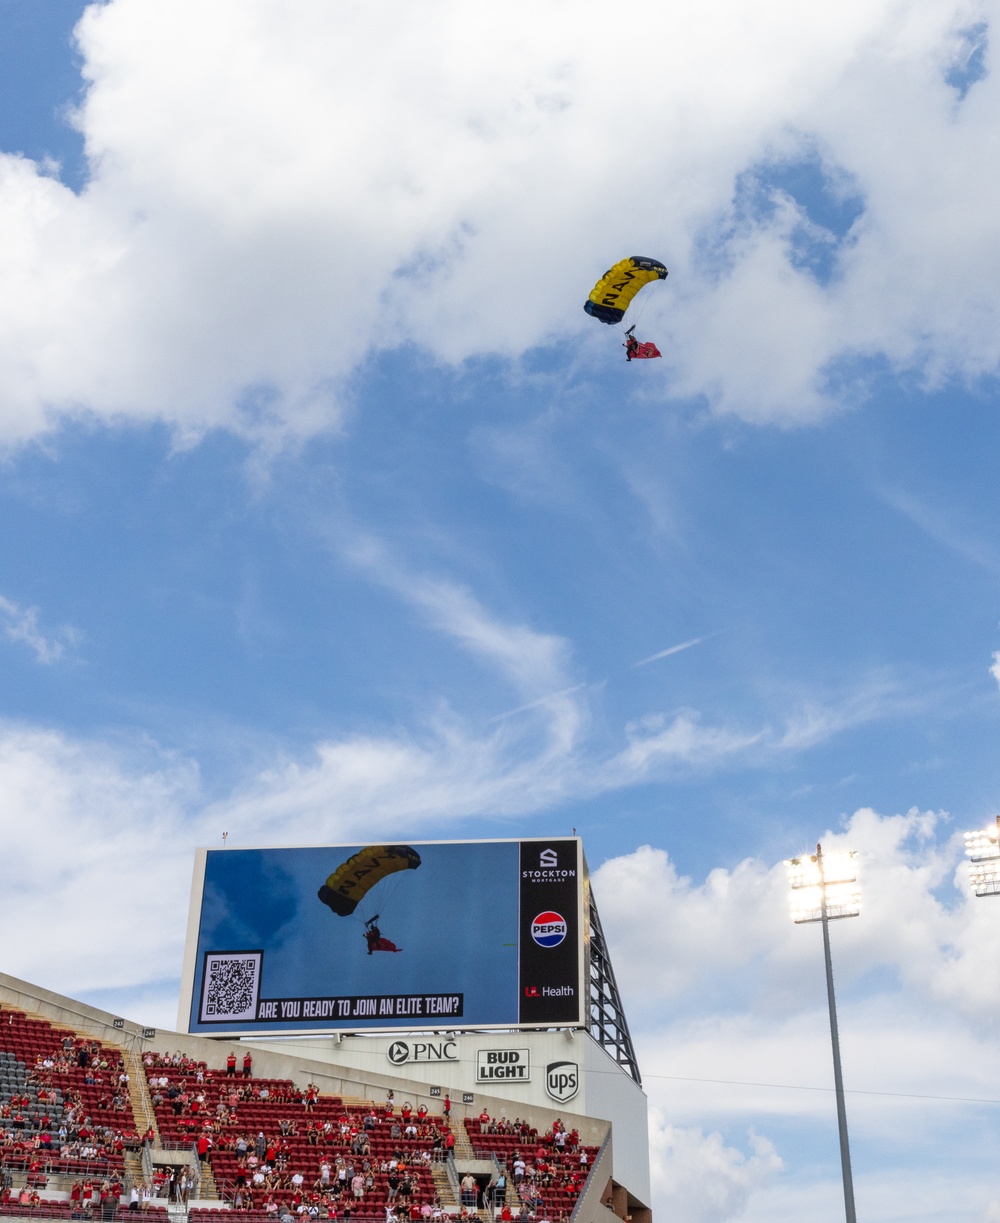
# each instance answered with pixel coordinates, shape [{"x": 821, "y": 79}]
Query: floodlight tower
[
  {"x": 983, "y": 848},
  {"x": 824, "y": 887}
]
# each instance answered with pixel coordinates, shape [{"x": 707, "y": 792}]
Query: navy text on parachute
[
  {"x": 614, "y": 292},
  {"x": 361, "y": 876}
]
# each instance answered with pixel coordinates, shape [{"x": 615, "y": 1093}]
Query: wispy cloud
[
  {"x": 676, "y": 649},
  {"x": 941, "y": 526},
  {"x": 20, "y": 624},
  {"x": 542, "y": 700},
  {"x": 533, "y": 662}
]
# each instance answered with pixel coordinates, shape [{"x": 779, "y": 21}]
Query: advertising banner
[{"x": 428, "y": 935}]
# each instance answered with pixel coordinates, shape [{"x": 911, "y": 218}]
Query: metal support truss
[{"x": 608, "y": 1024}]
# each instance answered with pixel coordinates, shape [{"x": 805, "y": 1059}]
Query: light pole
[
  {"x": 983, "y": 848},
  {"x": 825, "y": 887}
]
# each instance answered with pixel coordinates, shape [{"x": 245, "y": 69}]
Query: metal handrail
[
  {"x": 53, "y": 1166},
  {"x": 583, "y": 1188}
]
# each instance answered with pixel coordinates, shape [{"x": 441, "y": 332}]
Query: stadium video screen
[{"x": 405, "y": 935}]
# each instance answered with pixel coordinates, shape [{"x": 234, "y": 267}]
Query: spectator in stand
[
  {"x": 358, "y": 1186},
  {"x": 446, "y": 1106},
  {"x": 231, "y": 1065},
  {"x": 247, "y": 1065}
]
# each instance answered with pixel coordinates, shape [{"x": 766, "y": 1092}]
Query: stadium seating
[
  {"x": 286, "y": 1103},
  {"x": 23, "y": 1041},
  {"x": 567, "y": 1177}
]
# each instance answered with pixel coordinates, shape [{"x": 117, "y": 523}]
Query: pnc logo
[
  {"x": 548, "y": 929},
  {"x": 399, "y": 1052}
]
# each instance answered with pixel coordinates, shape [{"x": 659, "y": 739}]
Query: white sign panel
[{"x": 505, "y": 1065}]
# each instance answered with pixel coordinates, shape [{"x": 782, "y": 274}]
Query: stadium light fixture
[
  {"x": 825, "y": 887},
  {"x": 983, "y": 848}
]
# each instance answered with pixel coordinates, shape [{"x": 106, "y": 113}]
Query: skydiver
[
  {"x": 374, "y": 939},
  {"x": 373, "y": 934},
  {"x": 640, "y": 352}
]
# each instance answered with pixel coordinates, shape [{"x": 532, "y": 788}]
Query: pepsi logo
[{"x": 548, "y": 929}]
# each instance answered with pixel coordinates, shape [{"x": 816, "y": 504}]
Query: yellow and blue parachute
[
  {"x": 613, "y": 293},
  {"x": 354, "y": 879}
]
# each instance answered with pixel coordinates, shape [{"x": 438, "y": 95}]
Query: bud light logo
[{"x": 548, "y": 929}]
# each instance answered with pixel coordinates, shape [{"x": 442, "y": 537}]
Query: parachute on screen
[
  {"x": 613, "y": 293},
  {"x": 353, "y": 880}
]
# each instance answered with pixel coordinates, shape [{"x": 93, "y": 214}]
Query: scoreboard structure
[{"x": 423, "y": 935}]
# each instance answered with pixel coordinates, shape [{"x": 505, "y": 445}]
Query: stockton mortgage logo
[
  {"x": 562, "y": 1081},
  {"x": 549, "y": 859},
  {"x": 549, "y": 928},
  {"x": 401, "y": 1051}
]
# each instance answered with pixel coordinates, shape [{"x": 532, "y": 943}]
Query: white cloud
[
  {"x": 278, "y": 186},
  {"x": 20, "y": 624},
  {"x": 532, "y": 661},
  {"x": 728, "y": 1006},
  {"x": 698, "y": 1178}
]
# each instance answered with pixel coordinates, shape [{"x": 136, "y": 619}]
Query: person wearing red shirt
[
  {"x": 231, "y": 1066},
  {"x": 247, "y": 1065}
]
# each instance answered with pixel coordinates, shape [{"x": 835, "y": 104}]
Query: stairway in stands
[
  {"x": 142, "y": 1101},
  {"x": 133, "y": 1169},
  {"x": 463, "y": 1147},
  {"x": 442, "y": 1187},
  {"x": 207, "y": 1190}
]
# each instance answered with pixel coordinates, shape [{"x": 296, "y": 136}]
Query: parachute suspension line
[
  {"x": 644, "y": 301},
  {"x": 383, "y": 891}
]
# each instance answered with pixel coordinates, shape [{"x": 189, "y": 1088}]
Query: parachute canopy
[
  {"x": 353, "y": 879},
  {"x": 613, "y": 293}
]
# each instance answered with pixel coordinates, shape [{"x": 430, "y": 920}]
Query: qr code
[{"x": 230, "y": 988}]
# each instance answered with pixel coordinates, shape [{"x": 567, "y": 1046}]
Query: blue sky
[{"x": 327, "y": 514}]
